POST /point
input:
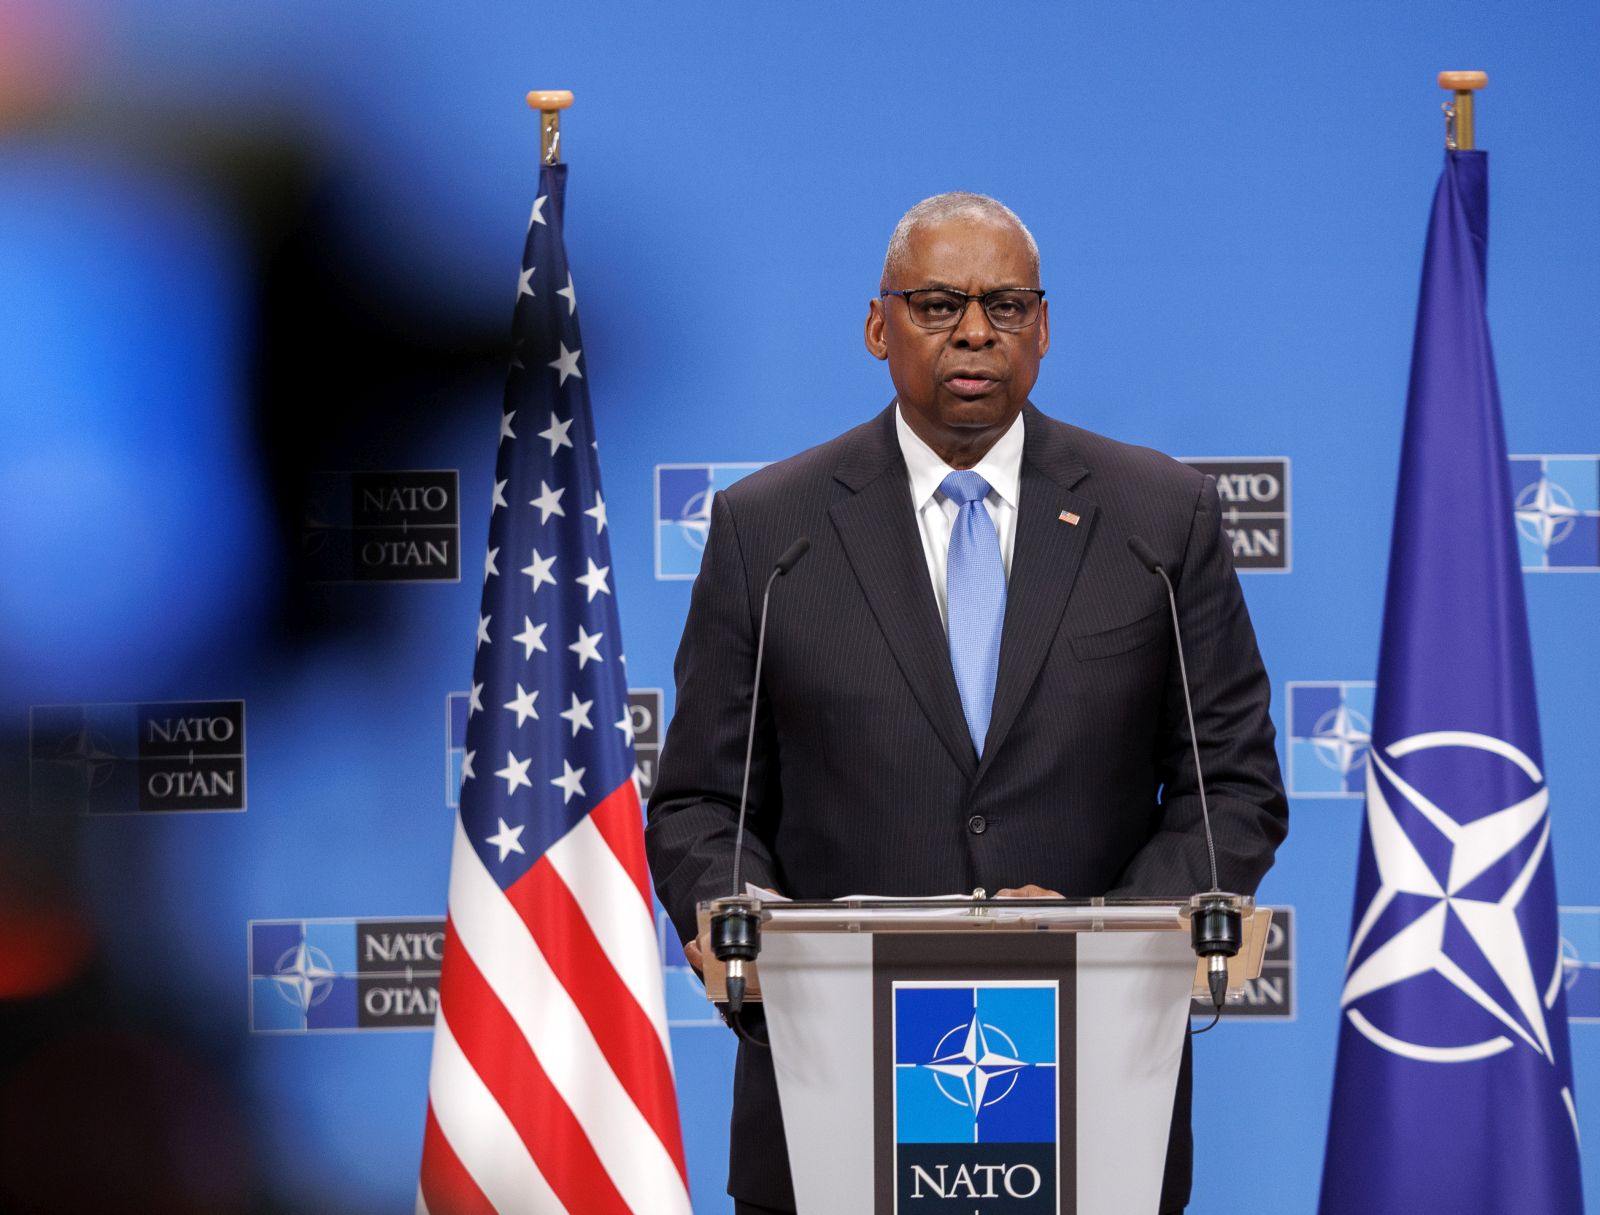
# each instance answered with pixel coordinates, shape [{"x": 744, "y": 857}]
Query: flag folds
[
  {"x": 1453, "y": 1090},
  {"x": 551, "y": 1088}
]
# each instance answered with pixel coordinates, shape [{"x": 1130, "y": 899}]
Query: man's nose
[{"x": 973, "y": 330}]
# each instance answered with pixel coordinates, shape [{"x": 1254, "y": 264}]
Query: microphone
[
  {"x": 1215, "y": 926},
  {"x": 736, "y": 924}
]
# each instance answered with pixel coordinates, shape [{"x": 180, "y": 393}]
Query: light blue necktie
[{"x": 975, "y": 584}]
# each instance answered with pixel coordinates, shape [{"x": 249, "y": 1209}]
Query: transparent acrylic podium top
[{"x": 970, "y": 914}]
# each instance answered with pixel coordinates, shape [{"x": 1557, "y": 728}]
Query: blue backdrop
[{"x": 248, "y": 254}]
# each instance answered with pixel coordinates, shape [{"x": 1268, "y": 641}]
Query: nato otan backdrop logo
[
  {"x": 330, "y": 976},
  {"x": 1329, "y": 736},
  {"x": 150, "y": 757},
  {"x": 1557, "y": 505},
  {"x": 683, "y": 513},
  {"x": 400, "y": 526},
  {"x": 1254, "y": 492}
]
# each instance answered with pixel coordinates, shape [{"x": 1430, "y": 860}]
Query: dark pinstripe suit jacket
[{"x": 864, "y": 778}]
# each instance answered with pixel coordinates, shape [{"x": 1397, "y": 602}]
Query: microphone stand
[
  {"x": 736, "y": 922},
  {"x": 1215, "y": 926}
]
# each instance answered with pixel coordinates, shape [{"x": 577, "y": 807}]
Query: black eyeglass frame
[{"x": 966, "y": 299}]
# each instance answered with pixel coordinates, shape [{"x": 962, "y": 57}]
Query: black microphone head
[
  {"x": 1146, "y": 554},
  {"x": 791, "y": 555}
]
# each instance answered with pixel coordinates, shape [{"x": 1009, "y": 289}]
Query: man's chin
[{"x": 978, "y": 412}]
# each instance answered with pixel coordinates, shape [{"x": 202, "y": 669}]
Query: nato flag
[{"x": 1453, "y": 1090}]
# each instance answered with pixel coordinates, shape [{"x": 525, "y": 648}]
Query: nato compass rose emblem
[
  {"x": 91, "y": 754},
  {"x": 694, "y": 524},
  {"x": 304, "y": 976},
  {"x": 1341, "y": 738},
  {"x": 975, "y": 1065},
  {"x": 1447, "y": 909},
  {"x": 1545, "y": 513}
]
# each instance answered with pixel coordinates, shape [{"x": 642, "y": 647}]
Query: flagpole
[
  {"x": 550, "y": 103},
  {"x": 1458, "y": 134}
]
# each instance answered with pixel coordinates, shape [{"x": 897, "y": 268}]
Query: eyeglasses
[{"x": 1010, "y": 308}]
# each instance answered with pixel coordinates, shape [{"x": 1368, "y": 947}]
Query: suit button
[{"x": 977, "y": 824}]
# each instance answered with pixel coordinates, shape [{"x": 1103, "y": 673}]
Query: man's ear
[
  {"x": 1044, "y": 327},
  {"x": 873, "y": 332}
]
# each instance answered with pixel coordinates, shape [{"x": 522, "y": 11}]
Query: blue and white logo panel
[
  {"x": 977, "y": 1095},
  {"x": 1557, "y": 504},
  {"x": 150, "y": 757},
  {"x": 1330, "y": 731},
  {"x": 683, "y": 513},
  {"x": 328, "y": 976}
]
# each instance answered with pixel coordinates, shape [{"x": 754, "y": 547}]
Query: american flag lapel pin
[{"x": 1067, "y": 516}]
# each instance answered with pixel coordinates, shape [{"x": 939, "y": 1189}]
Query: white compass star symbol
[
  {"x": 1423, "y": 946},
  {"x": 976, "y": 1064},
  {"x": 1341, "y": 738},
  {"x": 304, "y": 976},
  {"x": 1546, "y": 515}
]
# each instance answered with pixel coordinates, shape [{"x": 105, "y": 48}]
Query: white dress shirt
[{"x": 1001, "y": 467}]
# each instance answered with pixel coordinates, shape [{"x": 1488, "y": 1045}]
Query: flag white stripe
[
  {"x": 490, "y": 930},
  {"x": 422, "y": 1203},
  {"x": 618, "y": 916},
  {"x": 481, "y": 1135}
]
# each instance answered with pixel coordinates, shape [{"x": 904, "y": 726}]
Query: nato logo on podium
[{"x": 977, "y": 1093}]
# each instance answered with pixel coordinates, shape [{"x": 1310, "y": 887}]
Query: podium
[{"x": 972, "y": 1056}]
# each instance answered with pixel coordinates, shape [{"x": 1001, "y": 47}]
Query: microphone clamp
[
  {"x": 1215, "y": 930},
  {"x": 736, "y": 940}
]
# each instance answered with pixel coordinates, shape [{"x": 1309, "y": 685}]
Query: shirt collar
[{"x": 1001, "y": 465}]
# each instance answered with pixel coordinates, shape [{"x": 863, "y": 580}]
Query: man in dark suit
[{"x": 969, "y": 680}]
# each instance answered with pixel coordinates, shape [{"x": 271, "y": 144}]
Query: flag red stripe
[
  {"x": 447, "y": 1187},
  {"x": 627, "y": 1037},
  {"x": 618, "y": 821},
  {"x": 504, "y": 1061}
]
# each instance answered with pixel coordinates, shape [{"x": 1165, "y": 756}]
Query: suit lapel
[
  {"x": 1044, "y": 565},
  {"x": 878, "y": 530}
]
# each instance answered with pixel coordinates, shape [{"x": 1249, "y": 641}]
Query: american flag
[{"x": 551, "y": 1088}]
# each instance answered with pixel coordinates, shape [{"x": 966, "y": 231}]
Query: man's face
[{"x": 960, "y": 388}]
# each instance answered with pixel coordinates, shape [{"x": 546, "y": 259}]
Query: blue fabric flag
[{"x": 1453, "y": 1090}]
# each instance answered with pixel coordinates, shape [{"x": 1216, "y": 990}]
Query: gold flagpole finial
[
  {"x": 1458, "y": 110},
  {"x": 550, "y": 103}
]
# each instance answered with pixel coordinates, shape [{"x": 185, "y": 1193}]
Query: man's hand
[{"x": 1028, "y": 892}]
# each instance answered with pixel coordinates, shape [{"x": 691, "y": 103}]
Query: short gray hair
[{"x": 957, "y": 204}]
